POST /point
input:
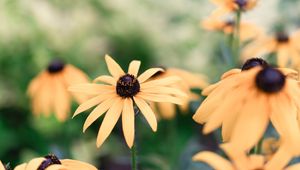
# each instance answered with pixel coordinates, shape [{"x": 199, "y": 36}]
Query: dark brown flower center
[
  {"x": 241, "y": 3},
  {"x": 50, "y": 160},
  {"x": 127, "y": 86},
  {"x": 282, "y": 37},
  {"x": 229, "y": 22},
  {"x": 56, "y": 66},
  {"x": 253, "y": 62},
  {"x": 269, "y": 80}
]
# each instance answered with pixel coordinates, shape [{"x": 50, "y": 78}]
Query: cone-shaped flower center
[
  {"x": 50, "y": 160},
  {"x": 241, "y": 3},
  {"x": 270, "y": 80},
  {"x": 282, "y": 37},
  {"x": 253, "y": 62},
  {"x": 127, "y": 86},
  {"x": 56, "y": 66}
]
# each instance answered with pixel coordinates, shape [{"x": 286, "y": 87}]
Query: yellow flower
[
  {"x": 285, "y": 46},
  {"x": 244, "y": 102},
  {"x": 119, "y": 94},
  {"x": 51, "y": 162},
  {"x": 187, "y": 82},
  {"x": 247, "y": 30},
  {"x": 228, "y": 6},
  {"x": 49, "y": 93},
  {"x": 241, "y": 161}
]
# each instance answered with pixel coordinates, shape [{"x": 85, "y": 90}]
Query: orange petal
[
  {"x": 113, "y": 67},
  {"x": 106, "y": 79},
  {"x": 134, "y": 67},
  {"x": 147, "y": 112},
  {"x": 128, "y": 121},
  {"x": 148, "y": 74}
]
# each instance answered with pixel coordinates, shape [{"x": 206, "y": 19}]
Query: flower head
[
  {"x": 284, "y": 45},
  {"x": 228, "y": 6},
  {"x": 248, "y": 30},
  {"x": 120, "y": 92},
  {"x": 52, "y": 162},
  {"x": 48, "y": 91},
  {"x": 188, "y": 81},
  {"x": 253, "y": 97}
]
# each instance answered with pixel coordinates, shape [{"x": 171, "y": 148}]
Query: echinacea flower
[
  {"x": 285, "y": 46},
  {"x": 248, "y": 31},
  {"x": 241, "y": 161},
  {"x": 49, "y": 90},
  {"x": 228, "y": 6},
  {"x": 188, "y": 81},
  {"x": 244, "y": 102},
  {"x": 120, "y": 93},
  {"x": 51, "y": 162}
]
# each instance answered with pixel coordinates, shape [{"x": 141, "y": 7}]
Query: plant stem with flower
[{"x": 236, "y": 41}]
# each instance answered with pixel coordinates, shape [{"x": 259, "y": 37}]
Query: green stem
[
  {"x": 236, "y": 42},
  {"x": 133, "y": 157},
  {"x": 257, "y": 149}
]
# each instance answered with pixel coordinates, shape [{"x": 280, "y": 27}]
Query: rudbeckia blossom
[
  {"x": 285, "y": 46},
  {"x": 244, "y": 102},
  {"x": 248, "y": 30},
  {"x": 188, "y": 81},
  {"x": 49, "y": 90},
  {"x": 228, "y": 6},
  {"x": 51, "y": 162},
  {"x": 241, "y": 161},
  {"x": 120, "y": 93}
]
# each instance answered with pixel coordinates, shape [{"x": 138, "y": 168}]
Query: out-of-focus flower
[
  {"x": 248, "y": 30},
  {"x": 120, "y": 92},
  {"x": 228, "y": 6},
  {"x": 49, "y": 90},
  {"x": 51, "y": 162},
  {"x": 244, "y": 103},
  {"x": 285, "y": 46},
  {"x": 241, "y": 161},
  {"x": 188, "y": 81}
]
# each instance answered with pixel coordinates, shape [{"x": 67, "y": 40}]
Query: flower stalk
[
  {"x": 133, "y": 157},
  {"x": 236, "y": 41}
]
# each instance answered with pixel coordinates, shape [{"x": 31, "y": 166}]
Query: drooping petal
[
  {"x": 147, "y": 112},
  {"x": 92, "y": 102},
  {"x": 214, "y": 160},
  {"x": 251, "y": 123},
  {"x": 166, "y": 110},
  {"x": 106, "y": 79},
  {"x": 98, "y": 111},
  {"x": 128, "y": 121},
  {"x": 113, "y": 67},
  {"x": 109, "y": 121},
  {"x": 148, "y": 74},
  {"x": 62, "y": 100},
  {"x": 134, "y": 67}
]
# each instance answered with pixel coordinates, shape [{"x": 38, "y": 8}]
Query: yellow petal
[
  {"x": 148, "y": 74},
  {"x": 164, "y": 90},
  {"x": 256, "y": 161},
  {"x": 160, "y": 98},
  {"x": 34, "y": 163},
  {"x": 134, "y": 67},
  {"x": 62, "y": 101},
  {"x": 20, "y": 167},
  {"x": 91, "y": 89},
  {"x": 77, "y": 165},
  {"x": 109, "y": 121},
  {"x": 251, "y": 123},
  {"x": 227, "y": 128},
  {"x": 128, "y": 122},
  {"x": 214, "y": 160},
  {"x": 210, "y": 88},
  {"x": 92, "y": 102},
  {"x": 280, "y": 159},
  {"x": 113, "y": 67},
  {"x": 166, "y": 110},
  {"x": 230, "y": 73},
  {"x": 147, "y": 112},
  {"x": 293, "y": 167},
  {"x": 98, "y": 111},
  {"x": 283, "y": 56},
  {"x": 56, "y": 167},
  {"x": 161, "y": 82},
  {"x": 106, "y": 79}
]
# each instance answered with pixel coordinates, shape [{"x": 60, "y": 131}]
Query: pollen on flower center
[
  {"x": 253, "y": 62},
  {"x": 282, "y": 37},
  {"x": 50, "y": 160},
  {"x": 127, "y": 86},
  {"x": 56, "y": 66},
  {"x": 270, "y": 80},
  {"x": 241, "y": 3}
]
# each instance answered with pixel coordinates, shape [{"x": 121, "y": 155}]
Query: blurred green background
[{"x": 33, "y": 32}]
